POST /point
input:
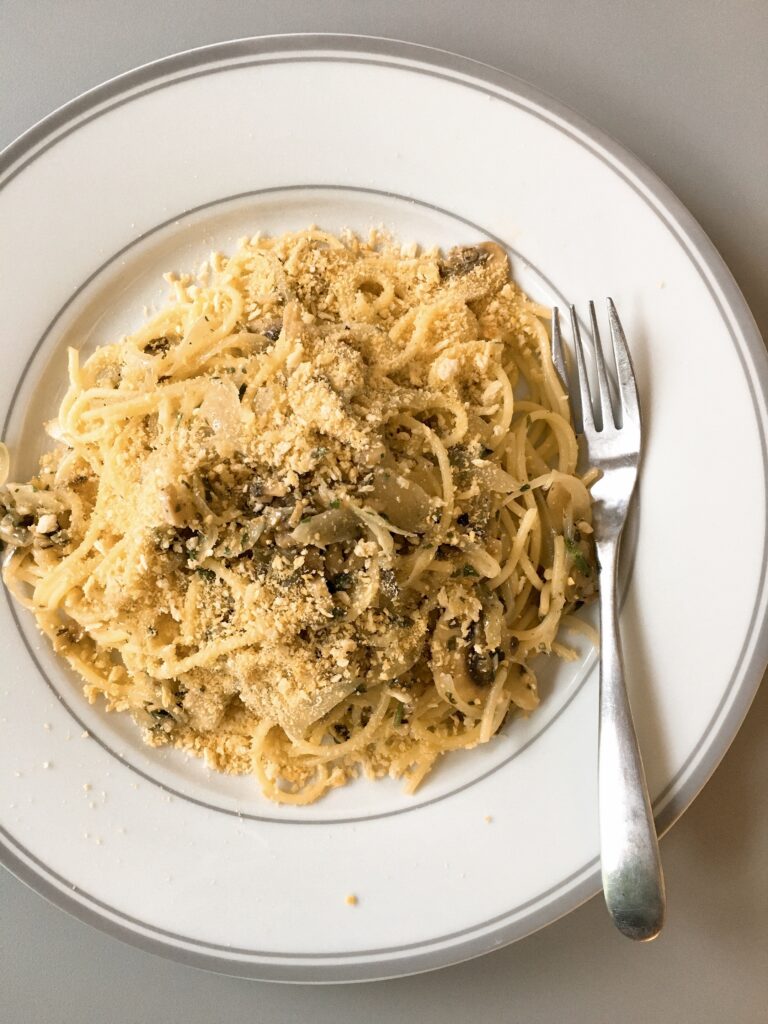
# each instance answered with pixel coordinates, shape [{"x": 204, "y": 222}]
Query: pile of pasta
[{"x": 318, "y": 516}]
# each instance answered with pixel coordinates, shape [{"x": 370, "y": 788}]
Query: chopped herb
[
  {"x": 461, "y": 261},
  {"x": 341, "y": 581},
  {"x": 319, "y": 453},
  {"x": 255, "y": 489},
  {"x": 577, "y": 557},
  {"x": 468, "y": 570},
  {"x": 524, "y": 487},
  {"x": 459, "y": 455},
  {"x": 361, "y": 688},
  {"x": 207, "y": 574},
  {"x": 399, "y": 709},
  {"x": 335, "y": 503},
  {"x": 388, "y": 584},
  {"x": 338, "y": 612}
]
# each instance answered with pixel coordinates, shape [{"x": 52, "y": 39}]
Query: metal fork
[{"x": 633, "y": 883}]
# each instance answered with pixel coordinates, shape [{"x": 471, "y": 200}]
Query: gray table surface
[{"x": 684, "y": 85}]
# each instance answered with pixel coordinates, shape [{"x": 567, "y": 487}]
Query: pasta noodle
[{"x": 317, "y": 517}]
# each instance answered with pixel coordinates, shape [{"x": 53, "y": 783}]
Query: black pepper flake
[
  {"x": 160, "y": 714},
  {"x": 340, "y": 732},
  {"x": 157, "y": 346},
  {"x": 342, "y": 581}
]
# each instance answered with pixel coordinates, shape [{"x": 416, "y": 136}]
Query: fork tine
[
  {"x": 584, "y": 420},
  {"x": 606, "y": 405},
  {"x": 557, "y": 349},
  {"x": 627, "y": 386}
]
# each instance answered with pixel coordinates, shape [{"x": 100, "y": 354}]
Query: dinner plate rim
[{"x": 47, "y": 131}]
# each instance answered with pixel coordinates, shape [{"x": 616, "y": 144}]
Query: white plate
[{"x": 145, "y": 174}]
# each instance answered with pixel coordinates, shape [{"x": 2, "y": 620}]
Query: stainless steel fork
[{"x": 633, "y": 883}]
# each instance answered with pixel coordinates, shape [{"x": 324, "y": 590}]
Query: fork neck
[{"x": 608, "y": 558}]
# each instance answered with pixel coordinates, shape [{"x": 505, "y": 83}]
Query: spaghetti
[{"x": 317, "y": 516}]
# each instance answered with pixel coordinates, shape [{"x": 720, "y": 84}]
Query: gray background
[{"x": 685, "y": 86}]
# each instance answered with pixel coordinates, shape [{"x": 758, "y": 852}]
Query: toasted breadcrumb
[{"x": 279, "y": 526}]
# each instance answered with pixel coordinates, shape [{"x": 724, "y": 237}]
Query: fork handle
[{"x": 633, "y": 883}]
